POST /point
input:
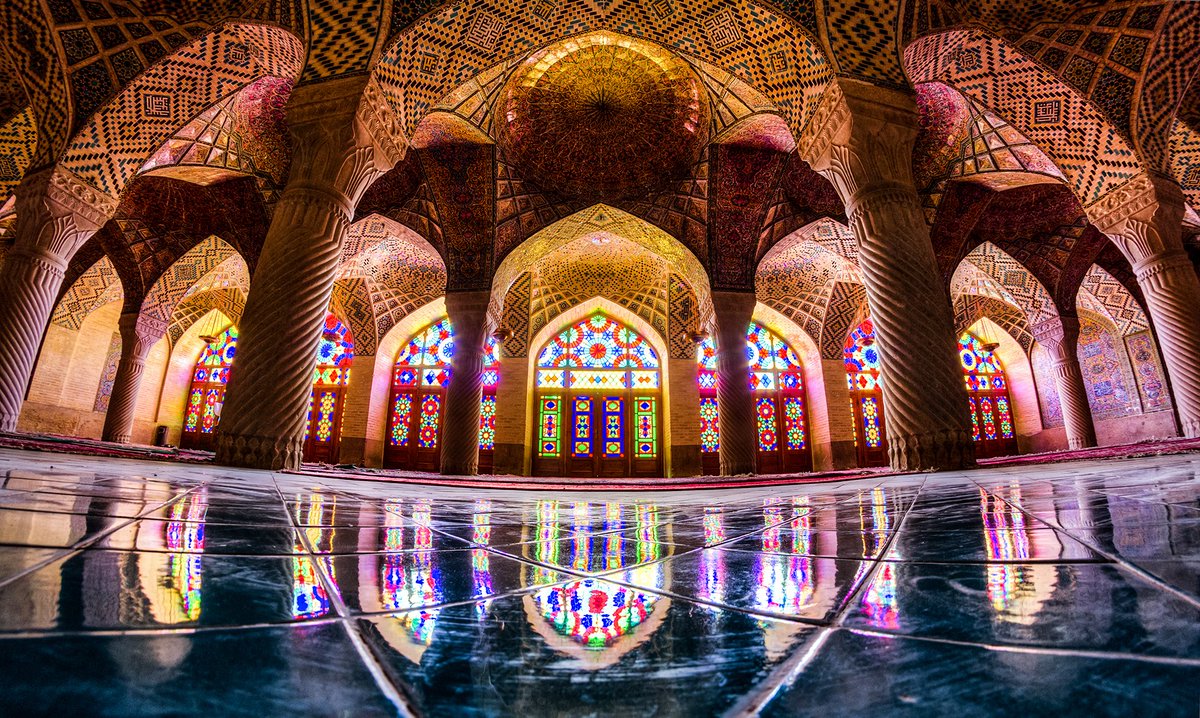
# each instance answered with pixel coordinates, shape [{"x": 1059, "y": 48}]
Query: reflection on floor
[{"x": 131, "y": 587}]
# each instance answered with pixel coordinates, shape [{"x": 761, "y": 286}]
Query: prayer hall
[{"x": 599, "y": 357}]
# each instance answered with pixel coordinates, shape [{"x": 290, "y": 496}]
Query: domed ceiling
[{"x": 603, "y": 117}]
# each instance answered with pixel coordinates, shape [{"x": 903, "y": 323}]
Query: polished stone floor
[{"x": 137, "y": 588}]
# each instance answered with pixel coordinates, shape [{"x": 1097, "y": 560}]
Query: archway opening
[
  {"x": 777, "y": 380},
  {"x": 861, "y": 357},
  {"x": 416, "y": 413},
  {"x": 598, "y": 389},
  {"x": 326, "y": 405},
  {"x": 987, "y": 393}
]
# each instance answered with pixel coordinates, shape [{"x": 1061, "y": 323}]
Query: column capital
[
  {"x": 1143, "y": 217},
  {"x": 57, "y": 212},
  {"x": 1058, "y": 335},
  {"x": 860, "y": 137},
  {"x": 140, "y": 331},
  {"x": 340, "y": 142}
]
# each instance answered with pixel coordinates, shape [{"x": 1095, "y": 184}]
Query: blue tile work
[{"x": 133, "y": 588}]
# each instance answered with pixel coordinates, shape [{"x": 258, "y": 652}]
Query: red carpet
[{"x": 92, "y": 447}]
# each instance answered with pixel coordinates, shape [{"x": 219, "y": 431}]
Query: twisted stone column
[
  {"x": 1172, "y": 293},
  {"x": 56, "y": 214},
  {"x": 863, "y": 144},
  {"x": 1060, "y": 337},
  {"x": 1144, "y": 218},
  {"x": 735, "y": 400},
  {"x": 335, "y": 157},
  {"x": 460, "y": 433},
  {"x": 137, "y": 336}
]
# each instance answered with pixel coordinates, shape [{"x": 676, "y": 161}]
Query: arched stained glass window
[
  {"x": 987, "y": 393},
  {"x": 777, "y": 380},
  {"x": 207, "y": 393},
  {"x": 604, "y": 378},
  {"x": 417, "y": 408},
  {"x": 861, "y": 357},
  {"x": 331, "y": 376}
]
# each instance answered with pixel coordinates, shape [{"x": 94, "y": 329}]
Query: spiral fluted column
[
  {"x": 1144, "y": 218},
  {"x": 1060, "y": 337},
  {"x": 864, "y": 146},
  {"x": 56, "y": 214},
  {"x": 735, "y": 400},
  {"x": 136, "y": 340},
  {"x": 1172, "y": 293},
  {"x": 334, "y": 160},
  {"x": 467, "y": 312}
]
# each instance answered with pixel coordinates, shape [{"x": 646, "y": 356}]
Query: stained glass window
[
  {"x": 862, "y": 361},
  {"x": 777, "y": 380},
  {"x": 987, "y": 388},
  {"x": 599, "y": 378},
  {"x": 331, "y": 375},
  {"x": 419, "y": 379},
  {"x": 207, "y": 393}
]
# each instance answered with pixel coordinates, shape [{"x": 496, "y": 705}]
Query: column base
[
  {"x": 942, "y": 450},
  {"x": 8, "y": 423},
  {"x": 1190, "y": 428},
  {"x": 469, "y": 468},
  {"x": 1080, "y": 442},
  {"x": 273, "y": 453}
]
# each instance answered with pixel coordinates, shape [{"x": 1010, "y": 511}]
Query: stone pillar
[
  {"x": 338, "y": 150},
  {"x": 56, "y": 213},
  {"x": 1060, "y": 337},
  {"x": 735, "y": 401},
  {"x": 1144, "y": 218},
  {"x": 862, "y": 140},
  {"x": 460, "y": 433},
  {"x": 137, "y": 336}
]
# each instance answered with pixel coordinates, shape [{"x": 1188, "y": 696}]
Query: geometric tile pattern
[
  {"x": 1185, "y": 161},
  {"x": 1087, "y": 148},
  {"x": 31, "y": 58},
  {"x": 245, "y": 132},
  {"x": 1170, "y": 69},
  {"x": 444, "y": 44},
  {"x": 118, "y": 139},
  {"x": 602, "y": 266},
  {"x": 18, "y": 141},
  {"x": 795, "y": 279},
  {"x": 387, "y": 271},
  {"x": 847, "y": 308},
  {"x": 684, "y": 318},
  {"x": 97, "y": 286},
  {"x": 515, "y": 317},
  {"x": 173, "y": 285},
  {"x": 990, "y": 271},
  {"x": 970, "y": 308},
  {"x": 230, "y": 301},
  {"x": 1103, "y": 54},
  {"x": 1103, "y": 294}
]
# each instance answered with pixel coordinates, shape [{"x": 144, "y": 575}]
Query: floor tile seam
[
  {"x": 1119, "y": 561},
  {"x": 83, "y": 544},
  {"x": 1141, "y": 500},
  {"x": 370, "y": 662},
  {"x": 1114, "y": 558},
  {"x": 781, "y": 677},
  {"x": 165, "y": 629},
  {"x": 854, "y": 596},
  {"x": 1029, "y": 649}
]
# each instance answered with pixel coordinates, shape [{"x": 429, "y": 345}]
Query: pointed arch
[
  {"x": 117, "y": 140},
  {"x": 97, "y": 286},
  {"x": 1089, "y": 150}
]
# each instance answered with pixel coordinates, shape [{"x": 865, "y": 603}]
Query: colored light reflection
[
  {"x": 879, "y": 601},
  {"x": 185, "y": 541},
  {"x": 783, "y": 571},
  {"x": 481, "y": 573},
  {"x": 410, "y": 581},
  {"x": 315, "y": 514},
  {"x": 592, "y": 612}
]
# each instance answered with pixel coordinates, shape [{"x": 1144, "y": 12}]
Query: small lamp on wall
[
  {"x": 989, "y": 344},
  {"x": 209, "y": 334},
  {"x": 502, "y": 334},
  {"x": 698, "y": 336}
]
